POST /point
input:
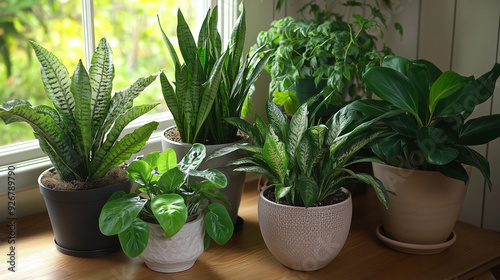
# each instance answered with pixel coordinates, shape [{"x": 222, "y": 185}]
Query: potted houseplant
[
  {"x": 209, "y": 88},
  {"x": 324, "y": 54},
  {"x": 80, "y": 137},
  {"x": 425, "y": 149},
  {"x": 306, "y": 210},
  {"x": 168, "y": 222}
]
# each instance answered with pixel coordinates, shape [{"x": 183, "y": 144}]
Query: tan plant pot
[
  {"x": 235, "y": 180},
  {"x": 177, "y": 253},
  {"x": 304, "y": 239},
  {"x": 426, "y": 206}
]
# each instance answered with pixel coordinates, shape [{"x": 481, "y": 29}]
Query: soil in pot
[
  {"x": 337, "y": 197},
  {"x": 51, "y": 180}
]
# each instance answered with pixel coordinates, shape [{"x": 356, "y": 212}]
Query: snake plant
[
  {"x": 80, "y": 132},
  {"x": 212, "y": 84}
]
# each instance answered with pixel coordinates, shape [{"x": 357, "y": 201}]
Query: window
[{"x": 70, "y": 30}]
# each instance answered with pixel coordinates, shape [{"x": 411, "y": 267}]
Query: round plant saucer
[{"x": 411, "y": 248}]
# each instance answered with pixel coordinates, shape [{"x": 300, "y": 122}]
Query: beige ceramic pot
[
  {"x": 177, "y": 253},
  {"x": 426, "y": 206},
  {"x": 304, "y": 239},
  {"x": 235, "y": 180}
]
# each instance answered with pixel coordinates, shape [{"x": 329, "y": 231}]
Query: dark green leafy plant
[
  {"x": 305, "y": 162},
  {"x": 434, "y": 130},
  {"x": 325, "y": 48},
  {"x": 167, "y": 199},
  {"x": 211, "y": 84},
  {"x": 80, "y": 134}
]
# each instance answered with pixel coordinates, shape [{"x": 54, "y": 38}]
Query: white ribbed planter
[
  {"x": 235, "y": 180},
  {"x": 304, "y": 239},
  {"x": 177, "y": 253}
]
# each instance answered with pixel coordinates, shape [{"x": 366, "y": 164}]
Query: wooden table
[{"x": 245, "y": 256}]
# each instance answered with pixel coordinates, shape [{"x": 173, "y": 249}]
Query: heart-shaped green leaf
[
  {"x": 166, "y": 161},
  {"x": 139, "y": 172},
  {"x": 218, "y": 224},
  {"x": 117, "y": 215},
  {"x": 170, "y": 211},
  {"x": 134, "y": 239}
]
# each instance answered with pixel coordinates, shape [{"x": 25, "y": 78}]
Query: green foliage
[
  {"x": 305, "y": 162},
  {"x": 80, "y": 133},
  {"x": 164, "y": 196},
  {"x": 325, "y": 48},
  {"x": 433, "y": 130},
  {"x": 212, "y": 83}
]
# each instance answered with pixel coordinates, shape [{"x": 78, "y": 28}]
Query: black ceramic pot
[{"x": 74, "y": 216}]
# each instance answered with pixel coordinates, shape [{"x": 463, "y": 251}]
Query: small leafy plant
[
  {"x": 325, "y": 49},
  {"x": 164, "y": 196},
  {"x": 211, "y": 84},
  {"x": 433, "y": 130},
  {"x": 305, "y": 162},
  {"x": 80, "y": 133}
]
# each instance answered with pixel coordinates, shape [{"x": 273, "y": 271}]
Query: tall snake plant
[
  {"x": 211, "y": 84},
  {"x": 80, "y": 133}
]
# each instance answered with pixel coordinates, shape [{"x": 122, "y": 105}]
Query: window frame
[{"x": 28, "y": 159}]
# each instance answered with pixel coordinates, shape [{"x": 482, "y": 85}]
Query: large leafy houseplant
[
  {"x": 212, "y": 83},
  {"x": 326, "y": 49},
  {"x": 306, "y": 163},
  {"x": 433, "y": 130},
  {"x": 164, "y": 196},
  {"x": 80, "y": 133}
]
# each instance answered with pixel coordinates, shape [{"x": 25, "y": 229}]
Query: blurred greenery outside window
[{"x": 131, "y": 27}]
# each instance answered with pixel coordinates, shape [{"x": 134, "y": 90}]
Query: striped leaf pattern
[
  {"x": 45, "y": 128},
  {"x": 120, "y": 123},
  {"x": 57, "y": 82},
  {"x": 124, "y": 148},
  {"x": 101, "y": 73},
  {"x": 80, "y": 86},
  {"x": 276, "y": 156}
]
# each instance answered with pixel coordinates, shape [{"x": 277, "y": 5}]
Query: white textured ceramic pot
[
  {"x": 235, "y": 180},
  {"x": 304, "y": 239},
  {"x": 426, "y": 205},
  {"x": 177, "y": 253}
]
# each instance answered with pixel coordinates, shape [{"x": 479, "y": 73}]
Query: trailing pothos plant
[
  {"x": 212, "y": 83},
  {"x": 326, "y": 49},
  {"x": 434, "y": 129},
  {"x": 80, "y": 133},
  {"x": 164, "y": 196},
  {"x": 305, "y": 162}
]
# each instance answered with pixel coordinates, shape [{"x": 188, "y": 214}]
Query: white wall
[{"x": 460, "y": 35}]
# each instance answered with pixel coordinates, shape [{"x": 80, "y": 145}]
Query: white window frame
[{"x": 28, "y": 159}]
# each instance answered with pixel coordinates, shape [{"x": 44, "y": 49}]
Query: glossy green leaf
[
  {"x": 388, "y": 146},
  {"x": 448, "y": 83},
  {"x": 193, "y": 158},
  {"x": 434, "y": 71},
  {"x": 394, "y": 87},
  {"x": 431, "y": 140},
  {"x": 171, "y": 180},
  {"x": 377, "y": 185},
  {"x": 170, "y": 211},
  {"x": 455, "y": 170},
  {"x": 139, "y": 172},
  {"x": 276, "y": 117},
  {"x": 118, "y": 214},
  {"x": 480, "y": 130},
  {"x": 473, "y": 158},
  {"x": 134, "y": 239},
  {"x": 167, "y": 161},
  {"x": 298, "y": 126},
  {"x": 218, "y": 224},
  {"x": 397, "y": 63},
  {"x": 82, "y": 94},
  {"x": 152, "y": 159},
  {"x": 214, "y": 176}
]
